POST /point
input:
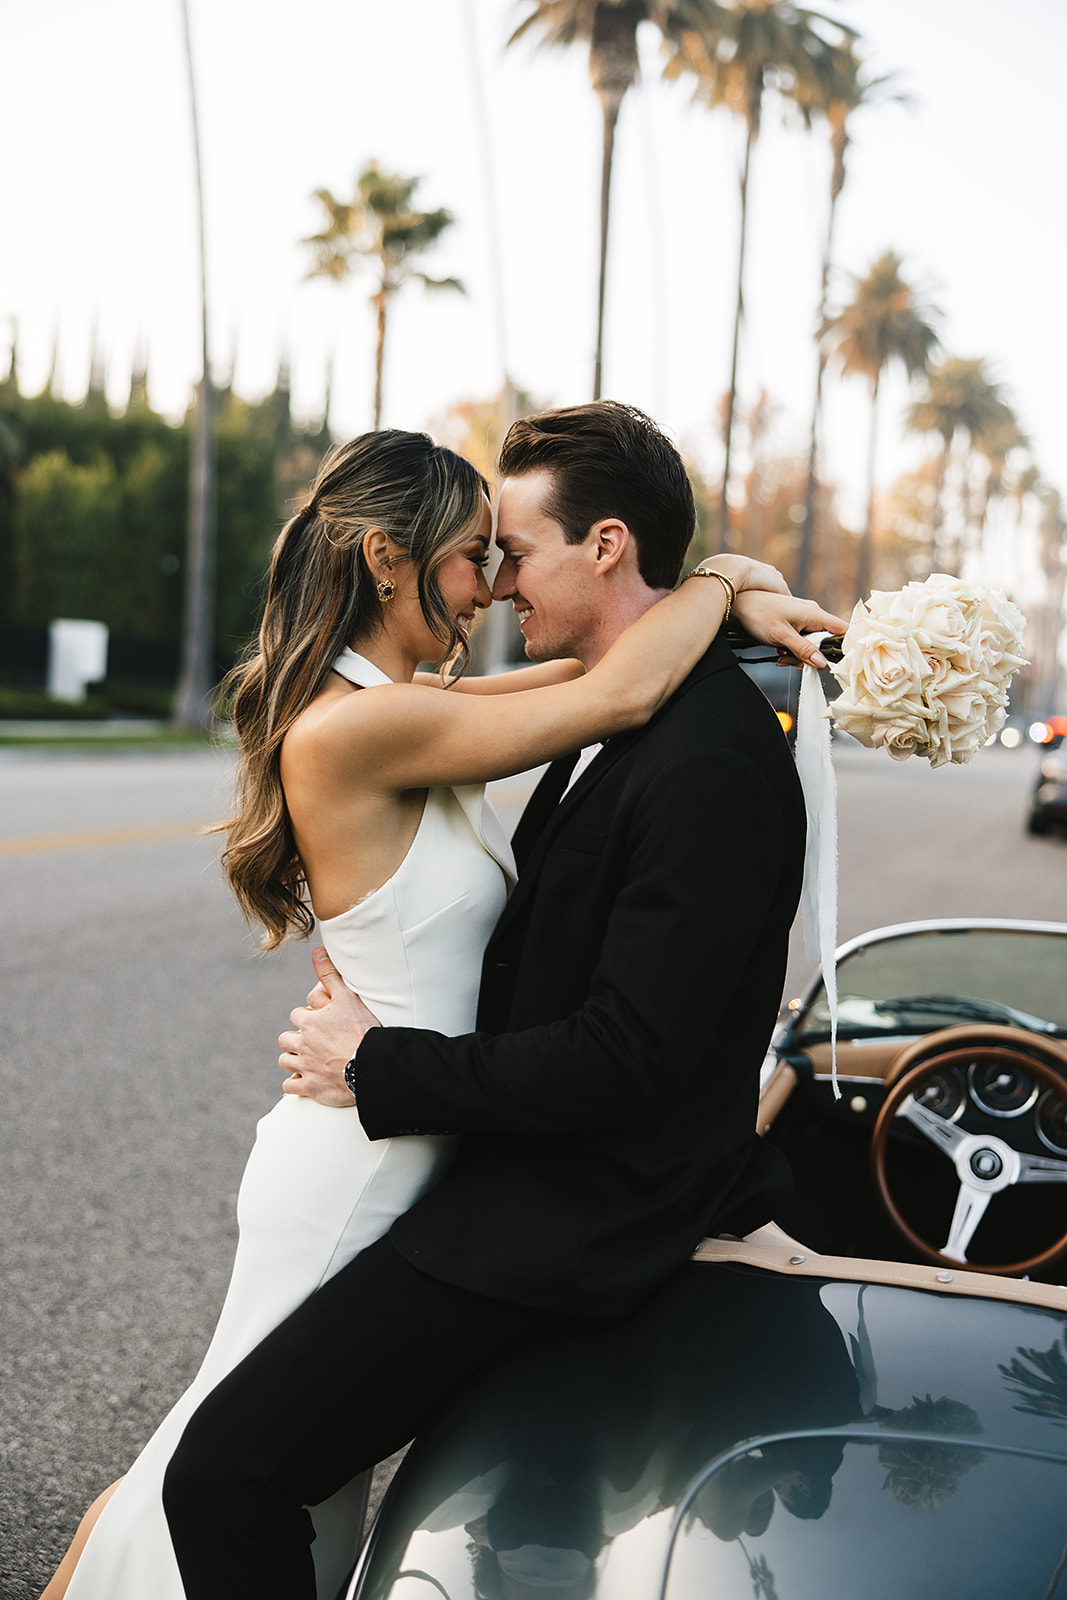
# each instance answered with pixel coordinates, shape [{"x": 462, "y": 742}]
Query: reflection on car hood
[
  {"x": 912, "y": 1514},
  {"x": 739, "y": 1416}
]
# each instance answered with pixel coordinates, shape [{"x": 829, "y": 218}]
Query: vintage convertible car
[{"x": 870, "y": 1398}]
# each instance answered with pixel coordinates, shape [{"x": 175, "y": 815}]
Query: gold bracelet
[{"x": 709, "y": 572}]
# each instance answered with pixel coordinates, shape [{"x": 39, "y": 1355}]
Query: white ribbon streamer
[{"x": 819, "y": 898}]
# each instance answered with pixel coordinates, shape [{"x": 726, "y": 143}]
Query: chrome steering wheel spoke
[
  {"x": 1041, "y": 1169},
  {"x": 945, "y": 1135},
  {"x": 970, "y": 1209}
]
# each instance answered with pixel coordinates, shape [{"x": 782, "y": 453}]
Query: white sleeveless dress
[{"x": 316, "y": 1190}]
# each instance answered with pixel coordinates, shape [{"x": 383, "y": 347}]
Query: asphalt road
[{"x": 139, "y": 1049}]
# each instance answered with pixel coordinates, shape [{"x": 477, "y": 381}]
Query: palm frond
[
  {"x": 884, "y": 321},
  {"x": 441, "y": 283}
]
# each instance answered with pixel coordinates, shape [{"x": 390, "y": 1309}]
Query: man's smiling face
[{"x": 551, "y": 584}]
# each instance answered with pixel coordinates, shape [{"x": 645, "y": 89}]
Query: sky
[{"x": 98, "y": 215}]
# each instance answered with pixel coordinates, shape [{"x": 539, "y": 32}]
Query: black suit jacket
[{"x": 608, "y": 1099}]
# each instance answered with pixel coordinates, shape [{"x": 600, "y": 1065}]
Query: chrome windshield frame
[{"x": 789, "y": 1026}]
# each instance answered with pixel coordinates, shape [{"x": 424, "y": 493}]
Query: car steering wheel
[{"x": 985, "y": 1164}]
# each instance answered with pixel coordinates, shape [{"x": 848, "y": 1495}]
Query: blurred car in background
[
  {"x": 1046, "y": 729},
  {"x": 781, "y": 685},
  {"x": 1048, "y": 802}
]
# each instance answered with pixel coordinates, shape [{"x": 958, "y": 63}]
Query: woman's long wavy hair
[{"x": 321, "y": 596}]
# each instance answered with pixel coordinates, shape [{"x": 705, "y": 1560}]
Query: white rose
[
  {"x": 946, "y": 582},
  {"x": 902, "y": 738},
  {"x": 903, "y": 730},
  {"x": 996, "y": 719},
  {"x": 961, "y": 724},
  {"x": 954, "y": 590},
  {"x": 886, "y": 671},
  {"x": 1002, "y": 620},
  {"x": 945, "y": 676},
  {"x": 964, "y": 745},
  {"x": 964, "y": 706},
  {"x": 881, "y": 661},
  {"x": 925, "y": 669},
  {"x": 934, "y": 620}
]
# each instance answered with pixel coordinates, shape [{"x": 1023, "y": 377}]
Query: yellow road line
[{"x": 41, "y": 843}]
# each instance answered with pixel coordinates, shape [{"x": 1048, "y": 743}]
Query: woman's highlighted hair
[{"x": 321, "y": 596}]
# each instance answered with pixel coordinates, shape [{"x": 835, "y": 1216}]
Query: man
[{"x": 608, "y": 1100}]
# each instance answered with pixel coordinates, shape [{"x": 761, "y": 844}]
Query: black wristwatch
[{"x": 350, "y": 1076}]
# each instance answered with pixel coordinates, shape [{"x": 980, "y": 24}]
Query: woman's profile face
[{"x": 461, "y": 575}]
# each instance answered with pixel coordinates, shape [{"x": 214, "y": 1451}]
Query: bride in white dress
[{"x": 406, "y": 884}]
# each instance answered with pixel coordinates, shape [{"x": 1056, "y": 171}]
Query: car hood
[{"x": 738, "y": 1413}]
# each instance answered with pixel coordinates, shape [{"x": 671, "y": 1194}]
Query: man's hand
[{"x": 326, "y": 1034}]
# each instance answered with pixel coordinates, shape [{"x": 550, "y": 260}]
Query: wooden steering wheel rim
[
  {"x": 944, "y": 1061},
  {"x": 976, "y": 1035}
]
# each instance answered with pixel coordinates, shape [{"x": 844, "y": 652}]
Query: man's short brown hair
[{"x": 610, "y": 460}]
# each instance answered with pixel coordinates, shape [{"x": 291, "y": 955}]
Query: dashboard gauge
[
  {"x": 1001, "y": 1088},
  {"x": 1051, "y": 1120},
  {"x": 944, "y": 1093}
]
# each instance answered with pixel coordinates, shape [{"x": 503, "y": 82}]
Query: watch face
[{"x": 350, "y": 1076}]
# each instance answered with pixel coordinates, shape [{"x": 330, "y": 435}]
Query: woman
[{"x": 404, "y": 864}]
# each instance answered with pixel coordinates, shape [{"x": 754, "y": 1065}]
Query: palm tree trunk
[
  {"x": 952, "y": 550},
  {"x": 805, "y": 555},
  {"x": 197, "y": 675},
  {"x": 611, "y": 116},
  {"x": 612, "y": 69},
  {"x": 974, "y": 508},
  {"x": 731, "y": 402},
  {"x": 863, "y": 573},
  {"x": 938, "y": 517},
  {"x": 492, "y": 211},
  {"x": 984, "y": 534},
  {"x": 1046, "y": 680},
  {"x": 379, "y": 357}
]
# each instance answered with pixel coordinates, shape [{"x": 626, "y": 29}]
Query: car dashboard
[{"x": 933, "y": 1115}]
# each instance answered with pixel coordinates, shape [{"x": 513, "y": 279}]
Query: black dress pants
[{"x": 351, "y": 1376}]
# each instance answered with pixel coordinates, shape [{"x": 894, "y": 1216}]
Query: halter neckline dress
[{"x": 316, "y": 1190}]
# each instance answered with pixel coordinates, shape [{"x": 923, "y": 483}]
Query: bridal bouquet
[{"x": 925, "y": 670}]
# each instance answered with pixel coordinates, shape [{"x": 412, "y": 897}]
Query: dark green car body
[{"x": 822, "y": 1429}]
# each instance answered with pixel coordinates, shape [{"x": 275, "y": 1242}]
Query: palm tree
[
  {"x": 196, "y": 677},
  {"x": 994, "y": 444},
  {"x": 1048, "y": 682},
  {"x": 961, "y": 399},
  {"x": 611, "y": 26},
  {"x": 882, "y": 323},
  {"x": 849, "y": 91},
  {"x": 762, "y": 44},
  {"x": 379, "y": 224}
]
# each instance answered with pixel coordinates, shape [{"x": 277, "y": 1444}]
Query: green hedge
[{"x": 104, "y": 700}]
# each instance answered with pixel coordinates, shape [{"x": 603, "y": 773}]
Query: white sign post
[{"x": 77, "y": 655}]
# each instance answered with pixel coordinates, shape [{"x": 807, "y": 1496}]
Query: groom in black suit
[{"x": 607, "y": 1101}]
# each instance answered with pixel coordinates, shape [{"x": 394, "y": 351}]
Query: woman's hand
[
  {"x": 745, "y": 574},
  {"x": 779, "y": 619}
]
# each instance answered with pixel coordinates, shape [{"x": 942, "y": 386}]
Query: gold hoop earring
[{"x": 386, "y": 590}]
